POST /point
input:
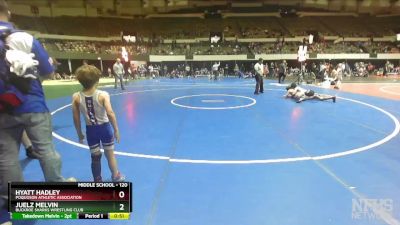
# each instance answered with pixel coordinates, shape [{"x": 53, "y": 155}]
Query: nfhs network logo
[{"x": 371, "y": 209}]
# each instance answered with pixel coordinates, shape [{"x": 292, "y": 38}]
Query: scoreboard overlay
[{"x": 70, "y": 200}]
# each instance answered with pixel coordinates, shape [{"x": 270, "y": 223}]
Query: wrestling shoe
[
  {"x": 71, "y": 179},
  {"x": 98, "y": 179},
  {"x": 300, "y": 100},
  {"x": 119, "y": 178}
]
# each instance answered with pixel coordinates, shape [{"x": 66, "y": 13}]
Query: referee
[
  {"x": 282, "y": 72},
  {"x": 215, "y": 70},
  {"x": 119, "y": 73},
  {"x": 259, "y": 68}
]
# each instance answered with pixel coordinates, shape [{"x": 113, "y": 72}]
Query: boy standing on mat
[{"x": 95, "y": 107}]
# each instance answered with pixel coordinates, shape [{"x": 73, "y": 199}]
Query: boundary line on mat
[
  {"x": 253, "y": 102},
  {"x": 383, "y": 89},
  {"x": 212, "y": 101},
  {"x": 261, "y": 161}
]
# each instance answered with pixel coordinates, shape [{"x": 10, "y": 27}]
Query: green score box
[{"x": 43, "y": 216}]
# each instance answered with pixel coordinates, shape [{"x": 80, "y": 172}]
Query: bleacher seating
[
  {"x": 177, "y": 28},
  {"x": 159, "y": 29}
]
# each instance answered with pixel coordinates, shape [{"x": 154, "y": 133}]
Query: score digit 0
[{"x": 121, "y": 194}]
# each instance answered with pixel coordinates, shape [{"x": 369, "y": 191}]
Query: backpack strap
[{"x": 4, "y": 33}]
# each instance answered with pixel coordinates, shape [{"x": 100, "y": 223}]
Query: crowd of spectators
[
  {"x": 135, "y": 49},
  {"x": 228, "y": 48},
  {"x": 312, "y": 69},
  {"x": 92, "y": 47},
  {"x": 224, "y": 48},
  {"x": 78, "y": 46},
  {"x": 278, "y": 47},
  {"x": 251, "y": 32}
]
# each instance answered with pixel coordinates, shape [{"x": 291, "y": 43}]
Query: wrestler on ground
[{"x": 300, "y": 94}]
